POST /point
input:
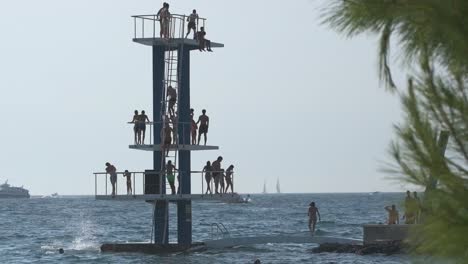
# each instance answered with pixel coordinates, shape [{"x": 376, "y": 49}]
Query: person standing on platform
[
  {"x": 207, "y": 170},
  {"x": 193, "y": 128},
  {"x": 229, "y": 173},
  {"x": 142, "y": 119},
  {"x": 393, "y": 218},
  {"x": 204, "y": 121},
  {"x": 216, "y": 172},
  {"x": 172, "y": 94},
  {"x": 192, "y": 23},
  {"x": 170, "y": 169},
  {"x": 113, "y": 175},
  {"x": 221, "y": 181},
  {"x": 313, "y": 212},
  {"x": 174, "y": 121},
  {"x": 164, "y": 18},
  {"x": 128, "y": 175},
  {"x": 135, "y": 127}
]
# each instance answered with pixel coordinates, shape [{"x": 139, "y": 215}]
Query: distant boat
[
  {"x": 278, "y": 190},
  {"x": 8, "y": 191},
  {"x": 54, "y": 195},
  {"x": 264, "y": 187}
]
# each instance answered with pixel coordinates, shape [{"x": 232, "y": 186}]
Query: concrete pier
[{"x": 374, "y": 234}]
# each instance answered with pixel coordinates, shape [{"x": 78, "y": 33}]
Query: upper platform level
[{"x": 150, "y": 30}]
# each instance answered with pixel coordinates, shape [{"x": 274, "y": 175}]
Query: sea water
[{"x": 32, "y": 230}]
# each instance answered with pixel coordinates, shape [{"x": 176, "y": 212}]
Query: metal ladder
[{"x": 220, "y": 230}]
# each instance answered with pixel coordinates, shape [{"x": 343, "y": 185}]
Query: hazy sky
[{"x": 288, "y": 98}]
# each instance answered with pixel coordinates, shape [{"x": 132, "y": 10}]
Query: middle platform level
[{"x": 173, "y": 147}]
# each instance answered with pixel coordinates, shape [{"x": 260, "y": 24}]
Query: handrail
[
  {"x": 220, "y": 229},
  {"x": 178, "y": 23},
  {"x": 140, "y": 178}
]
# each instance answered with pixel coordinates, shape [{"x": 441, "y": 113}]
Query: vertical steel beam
[
  {"x": 157, "y": 182},
  {"x": 184, "y": 208}
]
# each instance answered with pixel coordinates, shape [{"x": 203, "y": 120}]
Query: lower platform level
[
  {"x": 149, "y": 248},
  {"x": 226, "y": 197}
]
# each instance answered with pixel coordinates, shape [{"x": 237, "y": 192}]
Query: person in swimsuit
[
  {"x": 142, "y": 119},
  {"x": 313, "y": 212},
  {"x": 216, "y": 172},
  {"x": 207, "y": 170},
  {"x": 193, "y": 128},
  {"x": 204, "y": 121},
  {"x": 202, "y": 41},
  {"x": 113, "y": 175},
  {"x": 229, "y": 173},
  {"x": 222, "y": 175},
  {"x": 164, "y": 19},
  {"x": 393, "y": 218},
  {"x": 135, "y": 127},
  {"x": 170, "y": 169},
  {"x": 128, "y": 175},
  {"x": 172, "y": 94},
  {"x": 192, "y": 23},
  {"x": 166, "y": 138},
  {"x": 410, "y": 214}
]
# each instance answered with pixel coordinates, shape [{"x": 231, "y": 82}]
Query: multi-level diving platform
[{"x": 166, "y": 35}]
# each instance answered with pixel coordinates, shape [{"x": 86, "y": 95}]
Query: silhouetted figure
[
  {"x": 202, "y": 41},
  {"x": 207, "y": 170},
  {"x": 170, "y": 169},
  {"x": 216, "y": 172},
  {"x": 142, "y": 119},
  {"x": 410, "y": 212},
  {"x": 221, "y": 182},
  {"x": 128, "y": 175},
  {"x": 229, "y": 172},
  {"x": 393, "y": 217},
  {"x": 204, "y": 121},
  {"x": 164, "y": 19},
  {"x": 192, "y": 23},
  {"x": 166, "y": 138},
  {"x": 113, "y": 175},
  {"x": 313, "y": 212},
  {"x": 135, "y": 126},
  {"x": 172, "y": 94},
  {"x": 193, "y": 128}
]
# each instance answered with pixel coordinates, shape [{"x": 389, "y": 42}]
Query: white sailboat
[
  {"x": 264, "y": 187},
  {"x": 278, "y": 189}
]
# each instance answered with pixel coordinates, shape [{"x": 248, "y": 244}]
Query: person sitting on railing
[
  {"x": 135, "y": 127},
  {"x": 204, "y": 121},
  {"x": 142, "y": 119},
  {"x": 128, "y": 175},
  {"x": 216, "y": 172},
  {"x": 172, "y": 94},
  {"x": 166, "y": 138},
  {"x": 113, "y": 175},
  {"x": 207, "y": 170},
  {"x": 164, "y": 17},
  {"x": 192, "y": 23},
  {"x": 229, "y": 173},
  {"x": 202, "y": 41},
  {"x": 193, "y": 128},
  {"x": 169, "y": 169}
]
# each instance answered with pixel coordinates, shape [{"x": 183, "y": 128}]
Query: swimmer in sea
[{"x": 313, "y": 212}]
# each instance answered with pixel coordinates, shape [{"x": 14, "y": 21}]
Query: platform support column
[
  {"x": 184, "y": 208},
  {"x": 161, "y": 209}
]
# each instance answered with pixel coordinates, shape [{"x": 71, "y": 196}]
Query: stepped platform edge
[
  {"x": 173, "y": 147},
  {"x": 149, "y": 248},
  {"x": 174, "y": 42}
]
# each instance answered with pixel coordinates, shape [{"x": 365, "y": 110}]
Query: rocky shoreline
[{"x": 388, "y": 248}]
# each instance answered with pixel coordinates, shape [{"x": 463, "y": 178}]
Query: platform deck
[
  {"x": 173, "y": 147},
  {"x": 171, "y": 197},
  {"x": 174, "y": 42}
]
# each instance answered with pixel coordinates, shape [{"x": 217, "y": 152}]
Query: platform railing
[
  {"x": 176, "y": 140},
  {"x": 148, "y": 26},
  {"x": 103, "y": 186}
]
